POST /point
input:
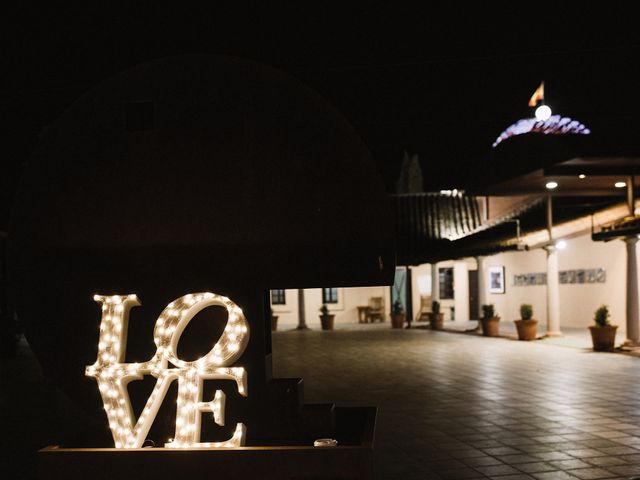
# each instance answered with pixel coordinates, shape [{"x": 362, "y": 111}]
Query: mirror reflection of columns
[
  {"x": 553, "y": 293},
  {"x": 633, "y": 328}
]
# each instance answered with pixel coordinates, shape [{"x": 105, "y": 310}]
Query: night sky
[{"x": 442, "y": 82}]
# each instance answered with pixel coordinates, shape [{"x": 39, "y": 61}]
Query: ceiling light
[
  {"x": 620, "y": 184},
  {"x": 582, "y": 175},
  {"x": 551, "y": 185},
  {"x": 561, "y": 244}
]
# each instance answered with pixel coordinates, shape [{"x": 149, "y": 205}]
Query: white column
[
  {"x": 461, "y": 292},
  {"x": 435, "y": 282},
  {"x": 482, "y": 283},
  {"x": 553, "y": 293},
  {"x": 302, "y": 322},
  {"x": 633, "y": 329}
]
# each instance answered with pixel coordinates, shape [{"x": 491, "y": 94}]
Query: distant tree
[{"x": 410, "y": 179}]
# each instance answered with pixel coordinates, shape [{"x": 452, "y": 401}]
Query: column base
[
  {"x": 302, "y": 327},
  {"x": 557, "y": 333},
  {"x": 630, "y": 343}
]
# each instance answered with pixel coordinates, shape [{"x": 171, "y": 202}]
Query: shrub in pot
[
  {"x": 490, "y": 321},
  {"x": 603, "y": 334},
  {"x": 326, "y": 318},
  {"x": 436, "y": 318},
  {"x": 397, "y": 315},
  {"x": 527, "y": 326}
]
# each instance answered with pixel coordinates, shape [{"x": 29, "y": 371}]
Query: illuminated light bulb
[
  {"x": 551, "y": 185},
  {"x": 543, "y": 113},
  {"x": 581, "y": 176},
  {"x": 561, "y": 244},
  {"x": 620, "y": 184}
]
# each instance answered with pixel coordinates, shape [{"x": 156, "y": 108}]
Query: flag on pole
[{"x": 537, "y": 96}]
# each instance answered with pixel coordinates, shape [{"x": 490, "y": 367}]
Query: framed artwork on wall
[{"x": 496, "y": 279}]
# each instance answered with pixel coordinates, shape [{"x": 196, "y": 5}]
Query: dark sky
[{"x": 439, "y": 81}]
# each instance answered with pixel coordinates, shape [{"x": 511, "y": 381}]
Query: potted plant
[
  {"x": 490, "y": 321},
  {"x": 326, "y": 318},
  {"x": 527, "y": 326},
  {"x": 274, "y": 321},
  {"x": 436, "y": 318},
  {"x": 397, "y": 315},
  {"x": 603, "y": 334}
]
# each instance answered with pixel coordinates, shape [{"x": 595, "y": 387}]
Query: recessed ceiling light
[
  {"x": 561, "y": 244},
  {"x": 551, "y": 185},
  {"x": 582, "y": 175},
  {"x": 620, "y": 184}
]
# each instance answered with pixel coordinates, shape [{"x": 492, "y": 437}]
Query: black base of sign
[{"x": 352, "y": 458}]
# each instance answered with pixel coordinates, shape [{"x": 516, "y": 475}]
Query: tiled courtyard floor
[
  {"x": 455, "y": 406},
  {"x": 451, "y": 406}
]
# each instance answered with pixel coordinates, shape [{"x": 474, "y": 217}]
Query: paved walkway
[{"x": 455, "y": 406}]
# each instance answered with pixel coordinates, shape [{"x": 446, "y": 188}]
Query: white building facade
[{"x": 590, "y": 274}]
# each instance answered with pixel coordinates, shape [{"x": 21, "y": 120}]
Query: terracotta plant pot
[
  {"x": 603, "y": 338},
  {"x": 436, "y": 321},
  {"x": 327, "y": 321},
  {"x": 274, "y": 323},
  {"x": 397, "y": 320},
  {"x": 490, "y": 326},
  {"x": 527, "y": 329}
]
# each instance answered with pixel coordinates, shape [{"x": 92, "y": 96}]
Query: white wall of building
[
  {"x": 578, "y": 301},
  {"x": 420, "y": 285},
  {"x": 288, "y": 313},
  {"x": 345, "y": 310},
  {"x": 507, "y": 305}
]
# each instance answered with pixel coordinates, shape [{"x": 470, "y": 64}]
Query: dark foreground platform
[{"x": 351, "y": 459}]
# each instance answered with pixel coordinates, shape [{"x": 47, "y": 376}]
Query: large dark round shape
[{"x": 182, "y": 175}]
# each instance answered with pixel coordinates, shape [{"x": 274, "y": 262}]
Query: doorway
[{"x": 474, "y": 307}]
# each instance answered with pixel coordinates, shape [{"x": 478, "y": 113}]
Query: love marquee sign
[{"x": 113, "y": 375}]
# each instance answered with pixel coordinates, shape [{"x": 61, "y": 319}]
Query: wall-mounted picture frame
[{"x": 496, "y": 279}]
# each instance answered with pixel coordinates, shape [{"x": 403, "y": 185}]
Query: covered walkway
[{"x": 460, "y": 407}]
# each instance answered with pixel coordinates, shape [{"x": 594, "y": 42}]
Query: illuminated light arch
[{"x": 554, "y": 125}]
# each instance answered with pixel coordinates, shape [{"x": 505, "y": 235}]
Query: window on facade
[
  {"x": 446, "y": 283},
  {"x": 329, "y": 295},
  {"x": 278, "y": 297}
]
